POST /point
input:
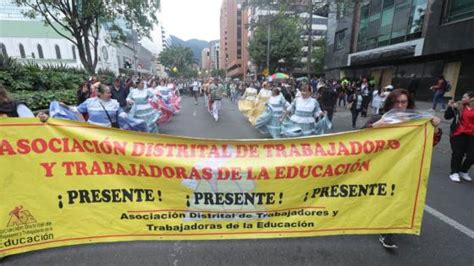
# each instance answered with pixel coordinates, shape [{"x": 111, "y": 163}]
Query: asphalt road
[{"x": 442, "y": 242}]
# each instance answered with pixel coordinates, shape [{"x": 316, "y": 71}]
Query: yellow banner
[{"x": 66, "y": 183}]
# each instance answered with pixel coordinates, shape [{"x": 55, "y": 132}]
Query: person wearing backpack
[{"x": 440, "y": 88}]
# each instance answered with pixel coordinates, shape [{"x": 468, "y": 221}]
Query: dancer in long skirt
[
  {"x": 304, "y": 110},
  {"x": 175, "y": 99},
  {"x": 270, "y": 120},
  {"x": 248, "y": 100},
  {"x": 260, "y": 103},
  {"x": 141, "y": 109},
  {"x": 162, "y": 103}
]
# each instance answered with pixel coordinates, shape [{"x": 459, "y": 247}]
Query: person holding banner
[
  {"x": 462, "y": 136},
  {"x": 400, "y": 100},
  {"x": 102, "y": 110},
  {"x": 12, "y": 108}
]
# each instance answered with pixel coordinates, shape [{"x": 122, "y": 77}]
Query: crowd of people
[
  {"x": 141, "y": 105},
  {"x": 278, "y": 108},
  {"x": 301, "y": 108}
]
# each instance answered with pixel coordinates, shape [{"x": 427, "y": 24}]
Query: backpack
[{"x": 447, "y": 86}]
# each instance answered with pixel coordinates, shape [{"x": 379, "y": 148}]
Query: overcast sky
[{"x": 191, "y": 19}]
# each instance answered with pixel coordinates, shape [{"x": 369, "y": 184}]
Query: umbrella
[
  {"x": 279, "y": 76},
  {"x": 301, "y": 79}
]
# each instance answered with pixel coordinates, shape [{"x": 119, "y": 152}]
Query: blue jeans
[{"x": 439, "y": 98}]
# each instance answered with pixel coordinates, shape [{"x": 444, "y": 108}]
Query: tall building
[
  {"x": 205, "y": 59},
  {"x": 404, "y": 43},
  {"x": 214, "y": 47},
  {"x": 233, "y": 55}
]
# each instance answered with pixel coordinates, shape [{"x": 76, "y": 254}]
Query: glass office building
[{"x": 387, "y": 22}]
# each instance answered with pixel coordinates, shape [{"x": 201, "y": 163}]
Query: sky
[{"x": 191, "y": 19}]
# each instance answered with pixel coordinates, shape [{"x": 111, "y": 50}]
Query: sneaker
[
  {"x": 465, "y": 176},
  {"x": 387, "y": 242},
  {"x": 455, "y": 177},
  {"x": 432, "y": 110},
  {"x": 443, "y": 110}
]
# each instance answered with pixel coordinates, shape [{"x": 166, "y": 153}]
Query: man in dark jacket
[
  {"x": 328, "y": 99},
  {"x": 120, "y": 92}
]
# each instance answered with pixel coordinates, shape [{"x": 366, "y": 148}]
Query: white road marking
[{"x": 463, "y": 229}]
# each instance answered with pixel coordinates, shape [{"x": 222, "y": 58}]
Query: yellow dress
[
  {"x": 262, "y": 98},
  {"x": 248, "y": 102}
]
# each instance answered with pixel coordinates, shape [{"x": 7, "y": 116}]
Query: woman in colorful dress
[
  {"x": 269, "y": 121},
  {"x": 248, "y": 100},
  {"x": 161, "y": 103},
  {"x": 260, "y": 103},
  {"x": 102, "y": 110},
  {"x": 304, "y": 111},
  {"x": 175, "y": 99},
  {"x": 140, "y": 99}
]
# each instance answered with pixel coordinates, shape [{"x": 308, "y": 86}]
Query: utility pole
[
  {"x": 310, "y": 39},
  {"x": 134, "y": 52},
  {"x": 268, "y": 40}
]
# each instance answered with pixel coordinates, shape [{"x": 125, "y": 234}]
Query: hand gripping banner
[{"x": 66, "y": 183}]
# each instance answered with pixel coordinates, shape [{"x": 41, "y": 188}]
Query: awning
[{"x": 383, "y": 54}]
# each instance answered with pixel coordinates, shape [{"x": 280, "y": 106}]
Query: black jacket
[
  {"x": 456, "y": 113},
  {"x": 9, "y": 109}
]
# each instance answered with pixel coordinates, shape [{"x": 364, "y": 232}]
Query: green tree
[
  {"x": 218, "y": 73},
  {"x": 178, "y": 58},
  {"x": 285, "y": 42},
  {"x": 80, "y": 21},
  {"x": 317, "y": 56}
]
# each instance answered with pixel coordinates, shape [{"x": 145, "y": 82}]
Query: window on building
[
  {"x": 58, "y": 51},
  {"x": 386, "y": 25},
  {"x": 363, "y": 27},
  {"x": 399, "y": 27},
  {"x": 458, "y": 9},
  {"x": 339, "y": 39},
  {"x": 74, "y": 52},
  {"x": 40, "y": 51},
  {"x": 22, "y": 51},
  {"x": 384, "y": 22},
  {"x": 3, "y": 50},
  {"x": 417, "y": 18}
]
